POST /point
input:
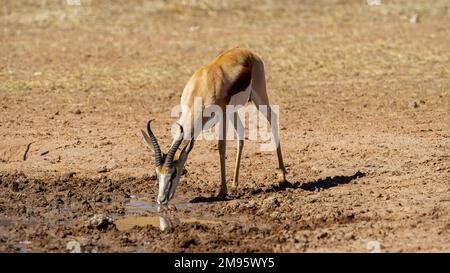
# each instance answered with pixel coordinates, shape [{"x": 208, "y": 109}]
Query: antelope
[{"x": 235, "y": 77}]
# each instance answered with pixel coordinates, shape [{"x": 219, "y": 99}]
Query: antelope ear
[{"x": 147, "y": 140}]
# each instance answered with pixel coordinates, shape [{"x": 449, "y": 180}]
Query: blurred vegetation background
[{"x": 117, "y": 45}]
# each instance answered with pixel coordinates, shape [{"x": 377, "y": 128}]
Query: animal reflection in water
[{"x": 167, "y": 222}]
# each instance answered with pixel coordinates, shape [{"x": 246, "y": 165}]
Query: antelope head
[{"x": 168, "y": 170}]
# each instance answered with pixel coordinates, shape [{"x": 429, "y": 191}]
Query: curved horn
[
  {"x": 174, "y": 148},
  {"x": 154, "y": 142}
]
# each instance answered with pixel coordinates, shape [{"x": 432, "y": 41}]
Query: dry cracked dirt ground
[{"x": 364, "y": 98}]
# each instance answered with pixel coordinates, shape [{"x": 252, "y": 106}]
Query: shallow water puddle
[
  {"x": 139, "y": 204},
  {"x": 160, "y": 222},
  {"x": 144, "y": 205}
]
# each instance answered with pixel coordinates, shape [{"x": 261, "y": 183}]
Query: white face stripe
[{"x": 164, "y": 182}]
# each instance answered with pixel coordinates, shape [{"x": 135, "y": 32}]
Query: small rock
[
  {"x": 103, "y": 169},
  {"x": 322, "y": 235},
  {"x": 73, "y": 246},
  {"x": 67, "y": 176},
  {"x": 350, "y": 215},
  {"x": 275, "y": 215},
  {"x": 77, "y": 112},
  {"x": 374, "y": 247},
  {"x": 414, "y": 19},
  {"x": 103, "y": 179},
  {"x": 100, "y": 222},
  {"x": 270, "y": 203},
  {"x": 112, "y": 166},
  {"x": 414, "y": 105},
  {"x": 251, "y": 204},
  {"x": 232, "y": 205},
  {"x": 349, "y": 236}
]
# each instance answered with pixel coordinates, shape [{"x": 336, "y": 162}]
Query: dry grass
[{"x": 121, "y": 45}]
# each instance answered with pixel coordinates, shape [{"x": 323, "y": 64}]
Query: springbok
[{"x": 235, "y": 77}]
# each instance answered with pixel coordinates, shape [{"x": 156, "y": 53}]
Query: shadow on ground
[{"x": 328, "y": 182}]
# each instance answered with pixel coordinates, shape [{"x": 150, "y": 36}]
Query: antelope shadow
[
  {"x": 326, "y": 183},
  {"x": 212, "y": 199}
]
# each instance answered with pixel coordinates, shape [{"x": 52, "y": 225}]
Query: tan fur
[{"x": 213, "y": 82}]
